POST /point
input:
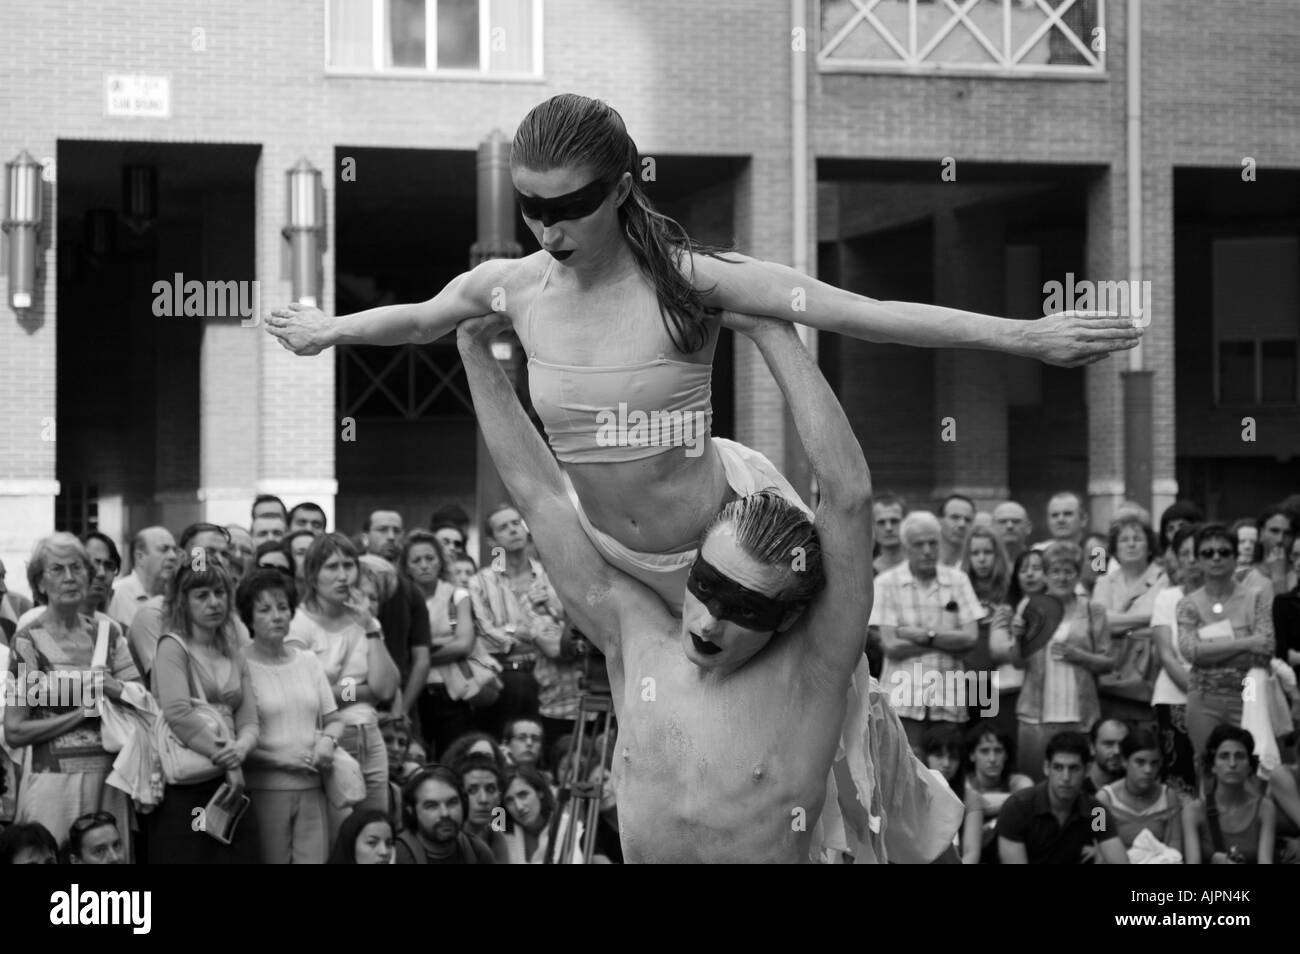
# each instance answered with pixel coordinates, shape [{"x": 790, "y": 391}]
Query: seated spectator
[
  {"x": 988, "y": 782},
  {"x": 365, "y": 838},
  {"x": 484, "y": 817},
  {"x": 1224, "y": 628},
  {"x": 942, "y": 750},
  {"x": 529, "y": 805},
  {"x": 1055, "y": 822},
  {"x": 28, "y": 843},
  {"x": 609, "y": 847},
  {"x": 474, "y": 743},
  {"x": 94, "y": 839},
  {"x": 1284, "y": 788},
  {"x": 1106, "y": 738},
  {"x": 1140, "y": 801},
  {"x": 1232, "y": 824},
  {"x": 396, "y": 731},
  {"x": 199, "y": 657},
  {"x": 299, "y": 727},
  {"x": 433, "y": 802},
  {"x": 271, "y": 555},
  {"x": 524, "y": 741},
  {"x": 68, "y": 767}
]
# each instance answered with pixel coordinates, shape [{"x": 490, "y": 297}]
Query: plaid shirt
[{"x": 902, "y": 600}]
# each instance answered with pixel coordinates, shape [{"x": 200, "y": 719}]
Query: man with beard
[
  {"x": 1106, "y": 739},
  {"x": 433, "y": 806}
]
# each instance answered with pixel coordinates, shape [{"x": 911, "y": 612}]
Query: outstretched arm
[
  {"x": 843, "y": 519},
  {"x": 744, "y": 284},
  {"x": 595, "y": 594},
  {"x": 307, "y": 331}
]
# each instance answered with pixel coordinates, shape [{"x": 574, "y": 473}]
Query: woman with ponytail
[{"x": 619, "y": 314}]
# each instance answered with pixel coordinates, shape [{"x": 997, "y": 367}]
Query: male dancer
[{"x": 730, "y": 718}]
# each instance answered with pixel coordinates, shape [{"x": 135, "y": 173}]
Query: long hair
[
  {"x": 177, "y": 609},
  {"x": 1014, "y": 593},
  {"x": 579, "y": 132},
  {"x": 992, "y": 590},
  {"x": 776, "y": 533},
  {"x": 537, "y": 782}
]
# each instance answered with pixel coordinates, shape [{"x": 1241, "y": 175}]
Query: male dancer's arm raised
[{"x": 730, "y": 718}]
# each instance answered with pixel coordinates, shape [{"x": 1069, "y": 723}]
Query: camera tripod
[{"x": 576, "y": 793}]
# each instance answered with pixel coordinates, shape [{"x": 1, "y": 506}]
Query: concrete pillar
[
  {"x": 970, "y": 402},
  {"x": 1105, "y": 254},
  {"x": 1161, "y": 334},
  {"x": 295, "y": 396}
]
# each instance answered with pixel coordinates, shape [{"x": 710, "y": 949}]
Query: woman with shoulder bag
[
  {"x": 201, "y": 684},
  {"x": 457, "y": 671}
]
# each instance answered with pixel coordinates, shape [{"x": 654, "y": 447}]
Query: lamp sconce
[
  {"x": 305, "y": 231},
  {"x": 22, "y": 221}
]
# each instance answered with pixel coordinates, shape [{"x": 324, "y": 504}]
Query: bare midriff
[{"x": 658, "y": 504}]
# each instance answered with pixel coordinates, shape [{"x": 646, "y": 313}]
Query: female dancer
[{"x": 619, "y": 315}]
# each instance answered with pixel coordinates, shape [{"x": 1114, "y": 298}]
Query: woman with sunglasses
[
  {"x": 69, "y": 767},
  {"x": 1224, "y": 628},
  {"x": 94, "y": 839},
  {"x": 619, "y": 314}
]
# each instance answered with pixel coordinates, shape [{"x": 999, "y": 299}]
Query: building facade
[{"x": 968, "y": 154}]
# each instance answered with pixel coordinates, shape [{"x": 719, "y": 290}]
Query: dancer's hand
[
  {"x": 482, "y": 329},
  {"x": 300, "y": 328},
  {"x": 1074, "y": 338}
]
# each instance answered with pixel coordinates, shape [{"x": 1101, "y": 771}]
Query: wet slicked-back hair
[
  {"x": 776, "y": 533},
  {"x": 575, "y": 131}
]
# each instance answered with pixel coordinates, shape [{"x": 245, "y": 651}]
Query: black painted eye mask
[
  {"x": 561, "y": 208},
  {"x": 727, "y": 599}
]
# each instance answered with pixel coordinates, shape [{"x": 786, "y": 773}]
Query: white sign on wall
[{"x": 138, "y": 95}]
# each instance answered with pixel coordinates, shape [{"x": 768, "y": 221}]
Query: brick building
[{"x": 963, "y": 154}]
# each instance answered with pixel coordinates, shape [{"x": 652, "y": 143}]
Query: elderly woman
[
  {"x": 336, "y": 621},
  {"x": 451, "y": 624},
  {"x": 1061, "y": 667},
  {"x": 69, "y": 766},
  {"x": 1128, "y": 593},
  {"x": 1224, "y": 628},
  {"x": 298, "y": 726},
  {"x": 198, "y": 657}
]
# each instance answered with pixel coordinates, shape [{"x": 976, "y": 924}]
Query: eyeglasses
[
  {"x": 93, "y": 820},
  {"x": 57, "y": 570},
  {"x": 527, "y": 737},
  {"x": 1209, "y": 553}
]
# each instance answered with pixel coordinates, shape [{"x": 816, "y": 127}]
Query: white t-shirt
[{"x": 1165, "y": 613}]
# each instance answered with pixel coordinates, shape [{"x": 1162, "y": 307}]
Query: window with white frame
[
  {"x": 1256, "y": 302},
  {"x": 493, "y": 38},
  {"x": 1006, "y": 37}
]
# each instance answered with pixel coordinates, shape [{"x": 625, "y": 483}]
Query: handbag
[
  {"x": 473, "y": 680},
  {"x": 345, "y": 785},
  {"x": 181, "y": 765},
  {"x": 1134, "y": 678}
]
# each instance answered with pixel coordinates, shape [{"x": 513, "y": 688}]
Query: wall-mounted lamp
[
  {"x": 22, "y": 220},
  {"x": 305, "y": 230},
  {"x": 139, "y": 197}
]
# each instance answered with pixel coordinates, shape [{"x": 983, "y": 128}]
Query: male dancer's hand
[
  {"x": 1071, "y": 339},
  {"x": 301, "y": 329}
]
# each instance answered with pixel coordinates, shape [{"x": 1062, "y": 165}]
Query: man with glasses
[
  {"x": 153, "y": 561},
  {"x": 524, "y": 741},
  {"x": 749, "y": 691}
]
